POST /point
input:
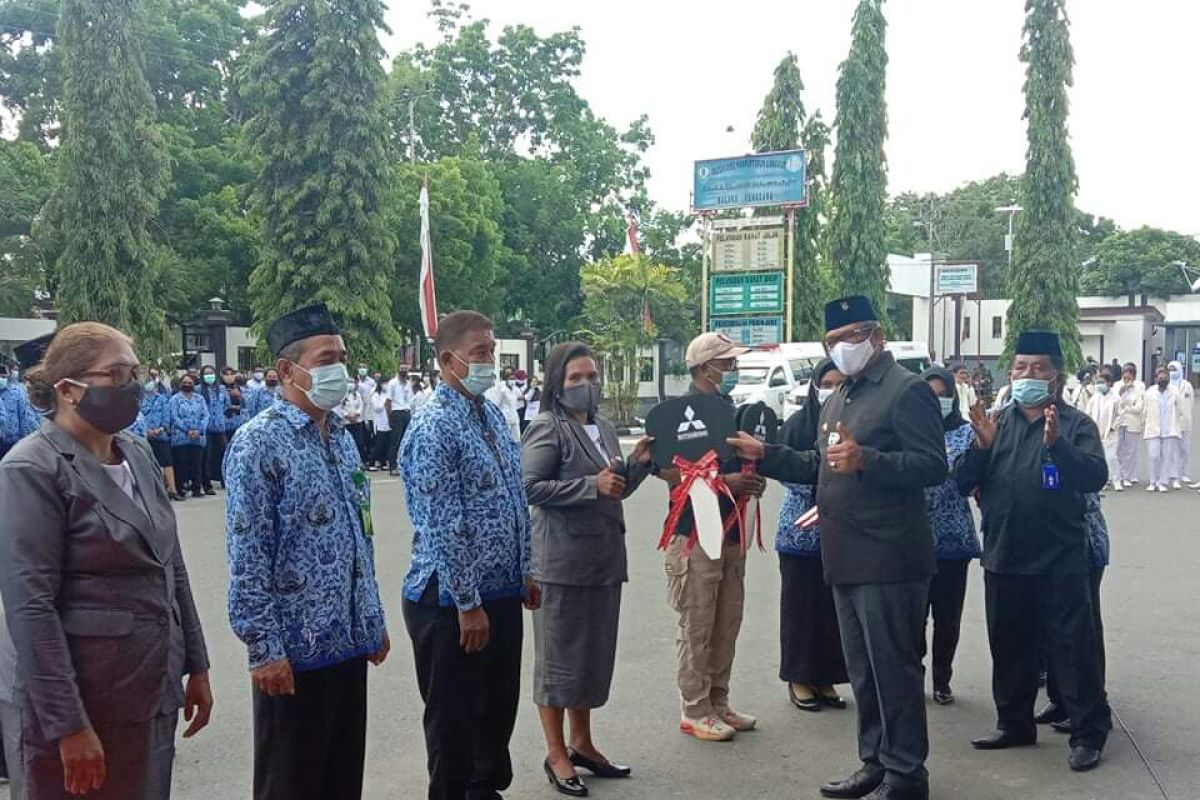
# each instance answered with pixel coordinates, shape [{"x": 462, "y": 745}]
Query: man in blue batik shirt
[
  {"x": 15, "y": 417},
  {"x": 302, "y": 591},
  {"x": 470, "y": 567}
]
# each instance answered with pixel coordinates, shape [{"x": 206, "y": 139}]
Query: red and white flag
[
  {"x": 428, "y": 294},
  {"x": 631, "y": 231}
]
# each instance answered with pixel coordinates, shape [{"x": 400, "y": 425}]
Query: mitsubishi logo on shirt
[
  {"x": 760, "y": 431},
  {"x": 691, "y": 428}
]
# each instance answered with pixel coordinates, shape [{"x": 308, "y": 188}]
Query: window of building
[
  {"x": 245, "y": 359},
  {"x": 646, "y": 369},
  {"x": 966, "y": 333},
  {"x": 510, "y": 361},
  {"x": 997, "y": 327}
]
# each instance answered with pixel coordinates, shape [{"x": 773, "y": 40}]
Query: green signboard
[{"x": 742, "y": 293}]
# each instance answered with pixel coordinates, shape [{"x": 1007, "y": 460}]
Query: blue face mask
[
  {"x": 1030, "y": 392},
  {"x": 480, "y": 377},
  {"x": 728, "y": 382},
  {"x": 328, "y": 385}
]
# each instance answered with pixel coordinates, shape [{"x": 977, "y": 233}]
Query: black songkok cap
[
  {"x": 848, "y": 311},
  {"x": 1039, "y": 343},
  {"x": 30, "y": 354},
  {"x": 301, "y": 324}
]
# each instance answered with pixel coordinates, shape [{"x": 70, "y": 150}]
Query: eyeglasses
[
  {"x": 853, "y": 336},
  {"x": 120, "y": 375}
]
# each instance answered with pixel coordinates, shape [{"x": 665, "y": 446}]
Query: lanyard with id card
[
  {"x": 362, "y": 489},
  {"x": 1051, "y": 480}
]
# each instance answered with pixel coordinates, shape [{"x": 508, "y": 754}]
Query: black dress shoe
[
  {"x": 1084, "y": 758},
  {"x": 860, "y": 784},
  {"x": 197, "y": 493},
  {"x": 605, "y": 769},
  {"x": 833, "y": 701},
  {"x": 1063, "y": 726},
  {"x": 210, "y": 491},
  {"x": 1051, "y": 713},
  {"x": 178, "y": 496},
  {"x": 1002, "y": 740},
  {"x": 942, "y": 695},
  {"x": 804, "y": 704},
  {"x": 572, "y": 786},
  {"x": 887, "y": 791}
]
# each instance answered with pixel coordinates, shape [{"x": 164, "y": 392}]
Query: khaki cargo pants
[{"x": 709, "y": 597}]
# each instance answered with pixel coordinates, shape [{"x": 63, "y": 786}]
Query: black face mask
[
  {"x": 110, "y": 409},
  {"x": 272, "y": 382},
  {"x": 1164, "y": 383},
  {"x": 186, "y": 388}
]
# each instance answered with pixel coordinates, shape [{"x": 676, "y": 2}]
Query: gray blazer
[
  {"x": 578, "y": 536},
  {"x": 95, "y": 591}
]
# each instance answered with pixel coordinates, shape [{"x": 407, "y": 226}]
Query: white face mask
[
  {"x": 852, "y": 359},
  {"x": 824, "y": 394},
  {"x": 947, "y": 406}
]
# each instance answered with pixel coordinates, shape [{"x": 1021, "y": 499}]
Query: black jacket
[{"x": 874, "y": 524}]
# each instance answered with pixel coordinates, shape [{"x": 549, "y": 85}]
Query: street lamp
[
  {"x": 1010, "y": 209},
  {"x": 1187, "y": 273}
]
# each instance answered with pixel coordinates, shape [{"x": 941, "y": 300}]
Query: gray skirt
[{"x": 575, "y": 645}]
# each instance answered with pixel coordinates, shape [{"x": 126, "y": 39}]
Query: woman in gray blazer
[
  {"x": 95, "y": 591},
  {"x": 575, "y": 480}
]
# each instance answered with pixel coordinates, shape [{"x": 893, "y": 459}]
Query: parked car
[
  {"x": 773, "y": 375},
  {"x": 913, "y": 356}
]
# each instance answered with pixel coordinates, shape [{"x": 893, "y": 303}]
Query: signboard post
[{"x": 956, "y": 279}]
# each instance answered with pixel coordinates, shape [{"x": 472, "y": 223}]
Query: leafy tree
[
  {"x": 315, "y": 85},
  {"x": 616, "y": 293},
  {"x": 859, "y": 187},
  {"x": 113, "y": 171},
  {"x": 1143, "y": 261},
  {"x": 782, "y": 114},
  {"x": 813, "y": 288},
  {"x": 1044, "y": 280},
  {"x": 27, "y": 177},
  {"x": 469, "y": 255}
]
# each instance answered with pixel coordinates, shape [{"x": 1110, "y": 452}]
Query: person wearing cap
[
  {"x": 709, "y": 594},
  {"x": 880, "y": 445},
  {"x": 302, "y": 590},
  {"x": 1187, "y": 401},
  {"x": 107, "y": 643},
  {"x": 470, "y": 567},
  {"x": 1034, "y": 466}
]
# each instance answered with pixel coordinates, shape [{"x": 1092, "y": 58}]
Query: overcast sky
[{"x": 953, "y": 86}]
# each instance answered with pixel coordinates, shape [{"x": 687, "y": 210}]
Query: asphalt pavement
[{"x": 1150, "y": 609}]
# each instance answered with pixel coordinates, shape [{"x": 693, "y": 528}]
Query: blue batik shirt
[
  {"x": 17, "y": 418},
  {"x": 157, "y": 414},
  {"x": 187, "y": 414},
  {"x": 258, "y": 400},
  {"x": 791, "y": 539},
  {"x": 470, "y": 518},
  {"x": 138, "y": 428},
  {"x": 301, "y": 570},
  {"x": 1099, "y": 548},
  {"x": 954, "y": 536},
  {"x": 218, "y": 401}
]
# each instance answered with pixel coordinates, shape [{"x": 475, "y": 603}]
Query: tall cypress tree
[
  {"x": 812, "y": 257},
  {"x": 782, "y": 125},
  {"x": 859, "y": 185},
  {"x": 315, "y": 87},
  {"x": 113, "y": 171},
  {"x": 1044, "y": 279}
]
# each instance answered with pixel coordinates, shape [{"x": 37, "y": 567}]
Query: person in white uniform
[
  {"x": 1161, "y": 425},
  {"x": 1105, "y": 410},
  {"x": 1131, "y": 392},
  {"x": 1187, "y": 399}
]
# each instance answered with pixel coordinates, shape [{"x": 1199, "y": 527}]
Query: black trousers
[
  {"x": 470, "y": 700},
  {"x": 883, "y": 626},
  {"x": 1028, "y": 615},
  {"x": 189, "y": 468},
  {"x": 214, "y": 457},
  {"x": 947, "y": 592},
  {"x": 358, "y": 432},
  {"x": 399, "y": 421},
  {"x": 311, "y": 745},
  {"x": 381, "y": 450},
  {"x": 810, "y": 645},
  {"x": 1052, "y": 690}
]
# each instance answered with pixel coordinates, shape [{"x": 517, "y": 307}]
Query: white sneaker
[
  {"x": 1176, "y": 485},
  {"x": 1152, "y": 488},
  {"x": 739, "y": 722},
  {"x": 1130, "y": 483},
  {"x": 1117, "y": 487},
  {"x": 1186, "y": 479},
  {"x": 709, "y": 729},
  {"x": 1162, "y": 488}
]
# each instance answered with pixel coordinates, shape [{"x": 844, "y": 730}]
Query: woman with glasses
[{"x": 96, "y": 594}]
